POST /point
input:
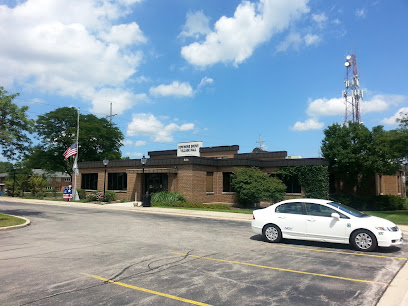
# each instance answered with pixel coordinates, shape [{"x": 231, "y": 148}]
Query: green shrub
[
  {"x": 97, "y": 196},
  {"x": 192, "y": 205},
  {"x": 167, "y": 197},
  {"x": 372, "y": 203},
  {"x": 81, "y": 194},
  {"x": 110, "y": 196},
  {"x": 252, "y": 186}
]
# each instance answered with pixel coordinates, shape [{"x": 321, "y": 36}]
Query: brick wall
[{"x": 390, "y": 184}]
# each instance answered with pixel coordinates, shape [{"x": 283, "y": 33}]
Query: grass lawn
[
  {"x": 397, "y": 216},
  {"x": 6, "y": 220}
]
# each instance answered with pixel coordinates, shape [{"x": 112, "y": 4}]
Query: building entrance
[{"x": 156, "y": 182}]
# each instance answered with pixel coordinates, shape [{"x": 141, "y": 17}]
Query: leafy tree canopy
[
  {"x": 14, "y": 126},
  {"x": 98, "y": 139},
  {"x": 6, "y": 167},
  {"x": 354, "y": 150}
]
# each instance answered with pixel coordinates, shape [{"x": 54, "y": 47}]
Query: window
[
  {"x": 117, "y": 181},
  {"x": 291, "y": 182},
  {"x": 210, "y": 182},
  {"x": 227, "y": 182},
  {"x": 67, "y": 179},
  {"x": 321, "y": 210},
  {"x": 290, "y": 208},
  {"x": 89, "y": 181}
]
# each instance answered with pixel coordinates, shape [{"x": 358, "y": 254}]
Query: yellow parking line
[
  {"x": 337, "y": 252},
  {"x": 149, "y": 291},
  {"x": 285, "y": 270}
]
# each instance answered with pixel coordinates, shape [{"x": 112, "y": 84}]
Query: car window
[
  {"x": 290, "y": 208},
  {"x": 321, "y": 210}
]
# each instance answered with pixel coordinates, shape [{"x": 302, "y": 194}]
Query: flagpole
[{"x": 75, "y": 166}]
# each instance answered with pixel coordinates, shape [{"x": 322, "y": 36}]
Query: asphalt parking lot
[{"x": 72, "y": 256}]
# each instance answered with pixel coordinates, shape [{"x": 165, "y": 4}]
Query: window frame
[
  {"x": 342, "y": 216},
  {"x": 88, "y": 183},
  {"x": 227, "y": 183},
  {"x": 117, "y": 181},
  {"x": 209, "y": 182},
  {"x": 302, "y": 207}
]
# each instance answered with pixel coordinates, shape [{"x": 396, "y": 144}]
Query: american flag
[{"x": 72, "y": 150}]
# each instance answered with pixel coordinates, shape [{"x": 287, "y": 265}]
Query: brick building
[{"x": 200, "y": 174}]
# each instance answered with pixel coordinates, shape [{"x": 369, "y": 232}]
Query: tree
[
  {"x": 252, "y": 185},
  {"x": 6, "y": 167},
  {"x": 37, "y": 184},
  {"x": 355, "y": 153},
  {"x": 14, "y": 126},
  {"x": 98, "y": 139}
]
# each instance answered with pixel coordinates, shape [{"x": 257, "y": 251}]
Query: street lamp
[
  {"x": 105, "y": 162},
  {"x": 14, "y": 178},
  {"x": 143, "y": 161}
]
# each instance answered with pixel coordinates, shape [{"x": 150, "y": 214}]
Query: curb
[
  {"x": 27, "y": 223},
  {"x": 396, "y": 293}
]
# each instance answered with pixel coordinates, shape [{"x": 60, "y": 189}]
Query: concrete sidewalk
[{"x": 395, "y": 295}]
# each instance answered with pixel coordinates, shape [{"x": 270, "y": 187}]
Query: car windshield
[{"x": 349, "y": 210}]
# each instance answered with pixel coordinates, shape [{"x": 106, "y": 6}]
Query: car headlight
[{"x": 382, "y": 228}]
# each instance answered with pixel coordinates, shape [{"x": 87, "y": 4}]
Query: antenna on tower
[
  {"x": 260, "y": 143},
  {"x": 352, "y": 93},
  {"x": 111, "y": 115}
]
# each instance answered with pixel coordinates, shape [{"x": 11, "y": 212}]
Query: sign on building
[{"x": 189, "y": 148}]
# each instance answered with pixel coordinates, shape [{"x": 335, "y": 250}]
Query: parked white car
[{"x": 327, "y": 221}]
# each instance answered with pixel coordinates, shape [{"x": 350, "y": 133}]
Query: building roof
[
  {"x": 225, "y": 162},
  {"x": 202, "y": 150}
]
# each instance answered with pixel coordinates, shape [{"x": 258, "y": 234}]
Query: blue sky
[{"x": 221, "y": 72}]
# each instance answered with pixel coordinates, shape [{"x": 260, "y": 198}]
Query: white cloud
[
  {"x": 176, "y": 88},
  {"x": 361, "y": 13},
  {"x": 140, "y": 143},
  {"x": 319, "y": 18},
  {"x": 149, "y": 125},
  {"x": 336, "y": 106},
  {"x": 309, "y": 124},
  {"x": 398, "y": 115},
  {"x": 71, "y": 48},
  {"x": 326, "y": 107},
  {"x": 137, "y": 143},
  {"x": 235, "y": 38},
  {"x": 125, "y": 34},
  {"x": 205, "y": 81},
  {"x": 311, "y": 39},
  {"x": 121, "y": 100},
  {"x": 197, "y": 24},
  {"x": 292, "y": 40}
]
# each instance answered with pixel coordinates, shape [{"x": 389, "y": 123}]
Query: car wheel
[
  {"x": 363, "y": 240},
  {"x": 272, "y": 233}
]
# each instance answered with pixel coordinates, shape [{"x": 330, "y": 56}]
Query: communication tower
[{"x": 352, "y": 94}]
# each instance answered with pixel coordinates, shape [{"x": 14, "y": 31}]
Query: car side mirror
[{"x": 335, "y": 216}]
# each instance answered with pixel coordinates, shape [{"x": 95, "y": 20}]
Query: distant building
[
  {"x": 56, "y": 180},
  {"x": 3, "y": 177}
]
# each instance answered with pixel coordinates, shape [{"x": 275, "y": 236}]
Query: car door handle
[
  {"x": 311, "y": 220},
  {"x": 281, "y": 217}
]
